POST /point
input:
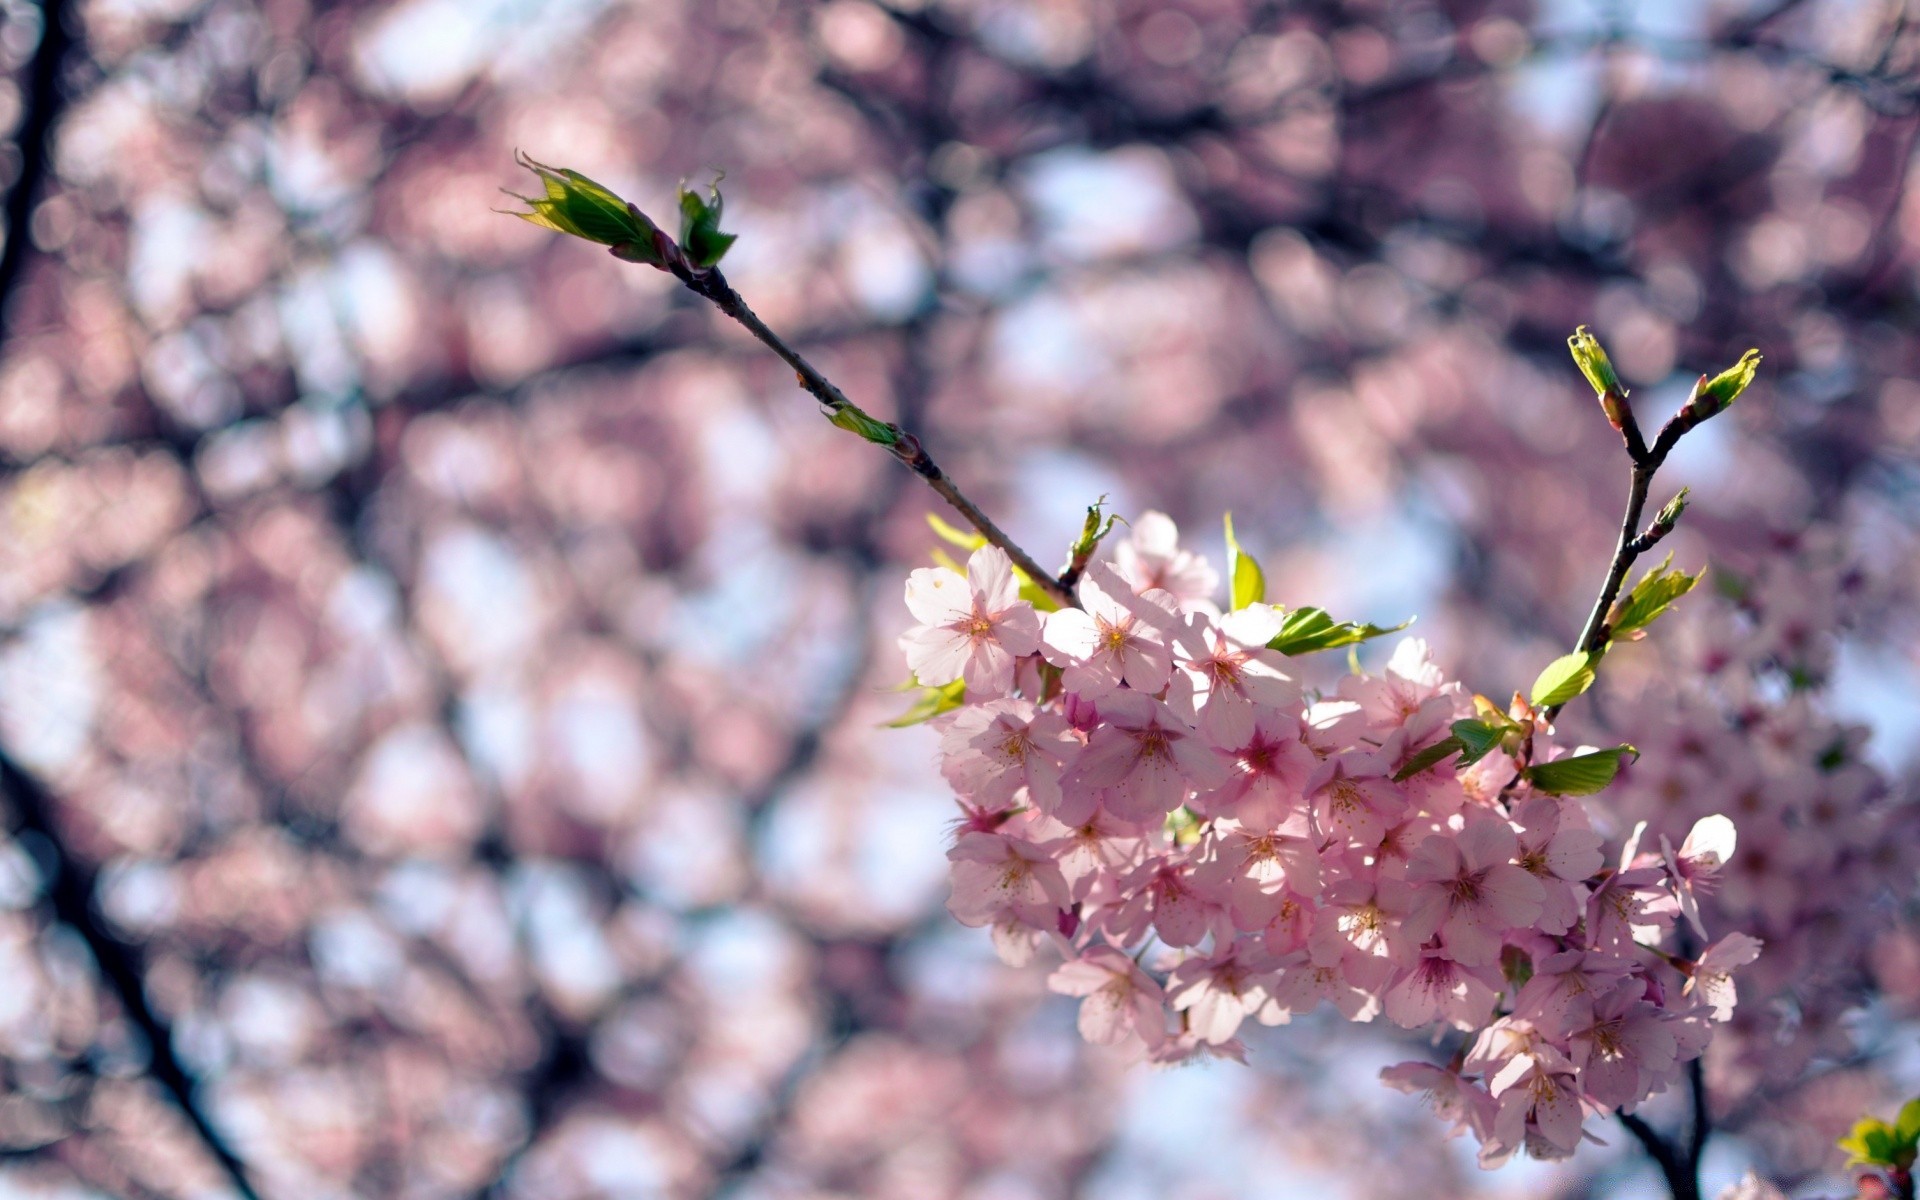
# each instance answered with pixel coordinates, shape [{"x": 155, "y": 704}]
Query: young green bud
[
  {"x": 1593, "y": 362},
  {"x": 852, "y": 419},
  {"x": 580, "y": 207},
  {"x": 700, "y": 234},
  {"x": 1712, "y": 396}
]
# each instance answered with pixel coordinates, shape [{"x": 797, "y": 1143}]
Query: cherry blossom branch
[
  {"x": 1709, "y": 398},
  {"x": 711, "y": 285},
  {"x": 576, "y": 205}
]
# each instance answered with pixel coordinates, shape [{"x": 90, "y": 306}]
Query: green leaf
[
  {"x": 1907, "y": 1125},
  {"x": 1650, "y": 597},
  {"x": 1714, "y": 395},
  {"x": 933, "y": 701},
  {"x": 1871, "y": 1143},
  {"x": 1593, "y": 362},
  {"x": 1305, "y": 630},
  {"x": 700, "y": 235},
  {"x": 1249, "y": 582},
  {"x": 854, "y": 419},
  {"x": 1565, "y": 677},
  {"x": 1480, "y": 738},
  {"x": 1428, "y": 757},
  {"x": 965, "y": 539},
  {"x": 578, "y": 206},
  {"x": 1580, "y": 775}
]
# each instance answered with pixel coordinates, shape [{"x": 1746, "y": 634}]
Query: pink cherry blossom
[
  {"x": 970, "y": 628},
  {"x": 1151, "y": 557},
  {"x": 1464, "y": 1104},
  {"x": 994, "y": 750},
  {"x": 1226, "y": 672},
  {"x": 1218, "y": 992},
  {"x": 1696, "y": 867},
  {"x": 1141, "y": 763},
  {"x": 995, "y": 874},
  {"x": 1114, "y": 637},
  {"x": 1121, "y": 1000},
  {"x": 1354, "y": 798},
  {"x": 1468, "y": 890},
  {"x": 1712, "y": 978}
]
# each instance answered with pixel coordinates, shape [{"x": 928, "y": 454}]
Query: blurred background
[{"x": 442, "y": 667}]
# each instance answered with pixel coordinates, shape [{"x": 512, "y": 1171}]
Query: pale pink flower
[
  {"x": 1257, "y": 868},
  {"x": 971, "y": 628},
  {"x": 1712, "y": 979},
  {"x": 1225, "y": 671},
  {"x": 1467, "y": 889},
  {"x": 1696, "y": 867},
  {"x": 1627, "y": 1051},
  {"x": 1140, "y": 763},
  {"x": 1452, "y": 1098},
  {"x": 1121, "y": 999},
  {"x": 1354, "y": 799},
  {"x": 1352, "y": 986},
  {"x": 1099, "y": 847},
  {"x": 1397, "y": 694},
  {"x": 1539, "y": 1110},
  {"x": 1272, "y": 765},
  {"x": 1559, "y": 997},
  {"x": 1619, "y": 915},
  {"x": 1115, "y": 637},
  {"x": 993, "y": 750},
  {"x": 1558, "y": 849},
  {"x": 1440, "y": 988},
  {"x": 1365, "y": 915},
  {"x": 1162, "y": 894},
  {"x": 1150, "y": 557},
  {"x": 994, "y": 874},
  {"x": 1218, "y": 992}
]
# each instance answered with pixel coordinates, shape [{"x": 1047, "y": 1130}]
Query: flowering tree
[{"x": 439, "y": 668}]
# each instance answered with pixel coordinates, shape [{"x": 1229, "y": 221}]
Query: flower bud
[
  {"x": 580, "y": 207},
  {"x": 700, "y": 234},
  {"x": 1712, "y": 396},
  {"x": 1593, "y": 362}
]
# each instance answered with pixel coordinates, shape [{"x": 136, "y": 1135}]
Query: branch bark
[{"x": 713, "y": 286}]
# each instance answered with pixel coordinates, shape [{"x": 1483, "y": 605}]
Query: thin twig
[{"x": 713, "y": 286}]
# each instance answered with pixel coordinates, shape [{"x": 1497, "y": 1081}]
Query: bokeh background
[{"x": 442, "y": 667}]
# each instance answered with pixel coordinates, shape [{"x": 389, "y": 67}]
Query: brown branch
[{"x": 712, "y": 285}]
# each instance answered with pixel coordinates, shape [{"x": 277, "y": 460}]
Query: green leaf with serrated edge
[
  {"x": 955, "y": 536},
  {"x": 1249, "y": 582},
  {"x": 1580, "y": 775},
  {"x": 933, "y": 701},
  {"x": 1306, "y": 630},
  {"x": 1479, "y": 738},
  {"x": 1564, "y": 678},
  {"x": 1430, "y": 756},
  {"x": 1650, "y": 597},
  {"x": 1870, "y": 1143}
]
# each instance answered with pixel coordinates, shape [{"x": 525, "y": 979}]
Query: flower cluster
[
  {"x": 1145, "y": 785},
  {"x": 1829, "y": 849}
]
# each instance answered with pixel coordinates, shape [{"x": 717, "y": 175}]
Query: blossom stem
[
  {"x": 713, "y": 286},
  {"x": 1633, "y": 541}
]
